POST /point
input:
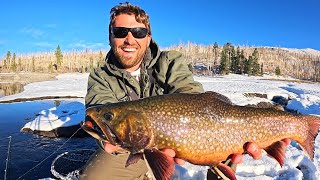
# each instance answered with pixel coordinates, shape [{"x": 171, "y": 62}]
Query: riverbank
[
  {"x": 26, "y": 78},
  {"x": 69, "y": 85}
]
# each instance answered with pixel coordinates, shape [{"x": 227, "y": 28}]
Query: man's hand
[
  {"x": 253, "y": 150},
  {"x": 250, "y": 148},
  {"x": 172, "y": 153},
  {"x": 109, "y": 148}
]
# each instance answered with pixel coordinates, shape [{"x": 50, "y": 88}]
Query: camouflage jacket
[{"x": 162, "y": 72}]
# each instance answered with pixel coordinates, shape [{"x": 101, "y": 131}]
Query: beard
[{"x": 129, "y": 62}]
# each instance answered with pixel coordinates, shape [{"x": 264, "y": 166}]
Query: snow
[
  {"x": 305, "y": 51},
  {"x": 65, "y": 85},
  {"x": 64, "y": 115},
  {"x": 305, "y": 99}
]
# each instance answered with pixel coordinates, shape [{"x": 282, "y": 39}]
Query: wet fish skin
[{"x": 203, "y": 129}]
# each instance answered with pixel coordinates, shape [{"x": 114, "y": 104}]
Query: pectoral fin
[
  {"x": 277, "y": 151},
  {"x": 224, "y": 171},
  {"x": 160, "y": 164},
  {"x": 133, "y": 158}
]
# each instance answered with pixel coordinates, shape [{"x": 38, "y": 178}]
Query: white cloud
[
  {"x": 43, "y": 44},
  {"x": 86, "y": 45},
  {"x": 34, "y": 32},
  {"x": 51, "y": 25}
]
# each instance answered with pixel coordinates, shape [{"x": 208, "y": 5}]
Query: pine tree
[
  {"x": 100, "y": 56},
  {"x": 226, "y": 55},
  {"x": 242, "y": 61},
  {"x": 100, "y": 63},
  {"x": 215, "y": 53},
  {"x": 233, "y": 59},
  {"x": 255, "y": 64},
  {"x": 224, "y": 64},
  {"x": 50, "y": 68},
  {"x": 278, "y": 72},
  {"x": 215, "y": 50},
  {"x": 7, "y": 61},
  {"x": 316, "y": 65},
  {"x": 19, "y": 64},
  {"x": 91, "y": 63},
  {"x": 237, "y": 59},
  {"x": 13, "y": 63},
  {"x": 33, "y": 65},
  {"x": 248, "y": 66},
  {"x": 4, "y": 64},
  {"x": 58, "y": 55}
]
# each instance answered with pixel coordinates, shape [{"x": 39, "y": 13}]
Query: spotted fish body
[{"x": 202, "y": 128}]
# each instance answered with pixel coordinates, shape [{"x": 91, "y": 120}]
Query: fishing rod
[
  {"x": 7, "y": 160},
  {"x": 49, "y": 155}
]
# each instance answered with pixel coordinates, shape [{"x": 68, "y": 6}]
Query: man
[{"x": 136, "y": 68}]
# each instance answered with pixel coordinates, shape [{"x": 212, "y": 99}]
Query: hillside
[{"x": 297, "y": 63}]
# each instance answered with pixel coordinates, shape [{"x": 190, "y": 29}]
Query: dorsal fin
[
  {"x": 161, "y": 165},
  {"x": 219, "y": 96}
]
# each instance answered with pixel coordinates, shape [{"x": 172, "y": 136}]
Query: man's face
[{"x": 129, "y": 50}]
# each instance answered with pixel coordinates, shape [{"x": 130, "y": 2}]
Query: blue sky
[{"x": 41, "y": 25}]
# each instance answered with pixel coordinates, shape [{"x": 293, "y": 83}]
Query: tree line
[
  {"x": 251, "y": 60},
  {"x": 233, "y": 60},
  {"x": 215, "y": 59},
  {"x": 53, "y": 62}
]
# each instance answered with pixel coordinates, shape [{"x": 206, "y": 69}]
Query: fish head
[{"x": 120, "y": 126}]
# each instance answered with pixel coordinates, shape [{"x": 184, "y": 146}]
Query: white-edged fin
[
  {"x": 148, "y": 166},
  {"x": 159, "y": 164},
  {"x": 277, "y": 151},
  {"x": 133, "y": 158},
  {"x": 224, "y": 171}
]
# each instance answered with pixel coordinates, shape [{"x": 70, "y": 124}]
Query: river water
[{"x": 27, "y": 150}]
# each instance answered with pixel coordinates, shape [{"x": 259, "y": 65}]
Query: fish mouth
[{"x": 97, "y": 131}]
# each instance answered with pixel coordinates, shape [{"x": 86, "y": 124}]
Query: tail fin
[{"x": 314, "y": 126}]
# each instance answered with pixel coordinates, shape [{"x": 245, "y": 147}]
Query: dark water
[{"x": 27, "y": 150}]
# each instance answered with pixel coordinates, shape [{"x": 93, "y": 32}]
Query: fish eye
[{"x": 108, "y": 116}]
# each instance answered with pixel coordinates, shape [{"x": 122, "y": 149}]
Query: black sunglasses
[{"x": 122, "y": 32}]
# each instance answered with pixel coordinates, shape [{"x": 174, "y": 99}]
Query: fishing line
[
  {"x": 12, "y": 134},
  {"x": 16, "y": 142},
  {"x": 4, "y": 138},
  {"x": 49, "y": 155},
  {"x": 7, "y": 160}
]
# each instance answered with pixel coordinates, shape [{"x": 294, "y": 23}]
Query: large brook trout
[{"x": 202, "y": 129}]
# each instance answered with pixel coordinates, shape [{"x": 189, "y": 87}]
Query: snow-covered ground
[{"x": 305, "y": 99}]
